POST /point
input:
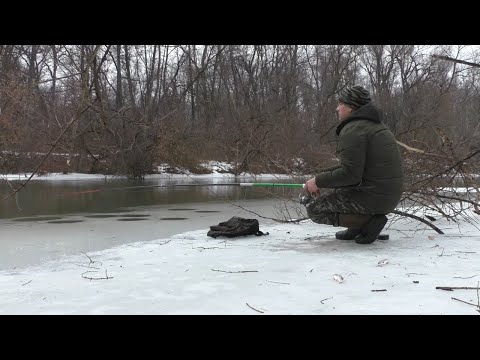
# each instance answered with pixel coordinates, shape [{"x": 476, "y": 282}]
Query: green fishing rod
[
  {"x": 272, "y": 184},
  {"x": 172, "y": 186}
]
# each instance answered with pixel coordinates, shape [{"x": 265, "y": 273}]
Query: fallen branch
[
  {"x": 254, "y": 309},
  {"x": 278, "y": 282},
  {"x": 89, "y": 267},
  {"x": 232, "y": 272},
  {"x": 28, "y": 282},
  {"x": 443, "y": 249},
  {"x": 408, "y": 274},
  {"x": 478, "y": 297},
  {"x": 450, "y": 288},
  {"x": 97, "y": 278},
  {"x": 205, "y": 248},
  {"x": 375, "y": 290},
  {"x": 321, "y": 301},
  {"x": 402, "y": 213},
  {"x": 466, "y": 302},
  {"x": 89, "y": 258}
]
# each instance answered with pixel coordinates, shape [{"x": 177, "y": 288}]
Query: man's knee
[
  {"x": 353, "y": 221},
  {"x": 324, "y": 218}
]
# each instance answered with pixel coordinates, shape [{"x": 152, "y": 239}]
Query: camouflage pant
[{"x": 326, "y": 207}]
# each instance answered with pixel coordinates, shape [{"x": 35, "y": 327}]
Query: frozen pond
[{"x": 48, "y": 220}]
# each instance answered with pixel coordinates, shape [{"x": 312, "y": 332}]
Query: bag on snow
[{"x": 236, "y": 226}]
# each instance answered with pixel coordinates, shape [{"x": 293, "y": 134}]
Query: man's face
[{"x": 343, "y": 111}]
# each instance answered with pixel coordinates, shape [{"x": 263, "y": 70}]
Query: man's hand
[{"x": 311, "y": 188}]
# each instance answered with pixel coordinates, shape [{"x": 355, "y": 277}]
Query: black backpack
[{"x": 236, "y": 226}]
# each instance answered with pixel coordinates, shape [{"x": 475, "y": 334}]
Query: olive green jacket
[{"x": 369, "y": 157}]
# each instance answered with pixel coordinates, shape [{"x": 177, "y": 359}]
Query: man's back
[{"x": 369, "y": 156}]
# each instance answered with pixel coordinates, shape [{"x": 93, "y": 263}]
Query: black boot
[
  {"x": 370, "y": 231},
  {"x": 348, "y": 234}
]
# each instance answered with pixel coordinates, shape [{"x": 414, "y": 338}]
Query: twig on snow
[
  {"x": 450, "y": 288},
  {"x": 232, "y": 272},
  {"x": 254, "y": 308},
  {"x": 205, "y": 248},
  {"x": 89, "y": 258},
  {"x": 478, "y": 299},
  {"x": 96, "y": 278},
  {"x": 466, "y": 302}
]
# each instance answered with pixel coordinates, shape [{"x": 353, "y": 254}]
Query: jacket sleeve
[
  {"x": 329, "y": 168},
  {"x": 351, "y": 151}
]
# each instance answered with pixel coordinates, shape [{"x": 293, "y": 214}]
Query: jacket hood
[{"x": 367, "y": 112}]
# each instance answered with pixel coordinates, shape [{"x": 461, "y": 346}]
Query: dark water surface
[{"x": 59, "y": 197}]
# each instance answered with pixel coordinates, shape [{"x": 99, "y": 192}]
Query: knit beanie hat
[{"x": 355, "y": 96}]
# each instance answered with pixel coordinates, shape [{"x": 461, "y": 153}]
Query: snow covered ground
[{"x": 296, "y": 269}]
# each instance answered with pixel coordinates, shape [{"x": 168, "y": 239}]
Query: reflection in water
[
  {"x": 132, "y": 219},
  {"x": 69, "y": 197},
  {"x": 136, "y": 215},
  {"x": 39, "y": 218},
  {"x": 102, "y": 216},
  {"x": 180, "y": 209},
  {"x": 65, "y": 221}
]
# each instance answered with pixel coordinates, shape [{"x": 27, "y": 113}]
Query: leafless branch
[
  {"x": 89, "y": 258},
  {"x": 402, "y": 213},
  {"x": 467, "y": 277},
  {"x": 74, "y": 119},
  {"x": 266, "y": 217},
  {"x": 251, "y": 307},
  {"x": 165, "y": 242},
  {"x": 448, "y": 58}
]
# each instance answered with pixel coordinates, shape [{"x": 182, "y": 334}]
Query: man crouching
[{"x": 367, "y": 184}]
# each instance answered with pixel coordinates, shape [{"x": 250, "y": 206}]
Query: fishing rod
[{"x": 250, "y": 184}]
